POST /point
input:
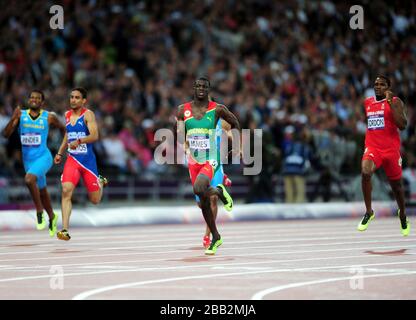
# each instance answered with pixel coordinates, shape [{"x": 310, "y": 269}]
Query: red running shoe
[
  {"x": 206, "y": 242},
  {"x": 227, "y": 181}
]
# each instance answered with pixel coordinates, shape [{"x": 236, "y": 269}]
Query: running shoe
[
  {"x": 52, "y": 225},
  {"x": 213, "y": 247},
  {"x": 404, "y": 225},
  {"x": 63, "y": 235},
  {"x": 225, "y": 198},
  {"x": 103, "y": 180},
  {"x": 206, "y": 242},
  {"x": 40, "y": 223},
  {"x": 227, "y": 181},
  {"x": 363, "y": 225}
]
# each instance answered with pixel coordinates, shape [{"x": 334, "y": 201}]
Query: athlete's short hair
[
  {"x": 82, "y": 90},
  {"x": 385, "y": 78},
  {"x": 205, "y": 79},
  {"x": 40, "y": 92}
]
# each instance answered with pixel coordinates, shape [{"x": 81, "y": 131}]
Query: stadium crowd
[{"x": 292, "y": 68}]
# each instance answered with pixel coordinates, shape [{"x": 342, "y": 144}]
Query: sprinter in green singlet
[{"x": 197, "y": 121}]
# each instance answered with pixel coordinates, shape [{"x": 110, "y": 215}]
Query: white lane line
[
  {"x": 230, "y": 235},
  {"x": 14, "y": 267},
  {"x": 120, "y": 234},
  {"x": 86, "y": 234},
  {"x": 90, "y": 293},
  {"x": 81, "y": 240},
  {"x": 6, "y": 267},
  {"x": 238, "y": 236},
  {"x": 187, "y": 267},
  {"x": 239, "y": 243},
  {"x": 221, "y": 257},
  {"x": 260, "y": 295},
  {"x": 143, "y": 231},
  {"x": 109, "y": 267},
  {"x": 296, "y": 240}
]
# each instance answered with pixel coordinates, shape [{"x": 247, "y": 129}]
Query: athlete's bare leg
[
  {"x": 368, "y": 167},
  {"x": 46, "y": 202},
  {"x": 96, "y": 196},
  {"x": 67, "y": 191},
  {"x": 214, "y": 210},
  {"x": 398, "y": 192},
  {"x": 204, "y": 192},
  {"x": 30, "y": 181}
]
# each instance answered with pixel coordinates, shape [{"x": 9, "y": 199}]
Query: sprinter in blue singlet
[{"x": 81, "y": 133}]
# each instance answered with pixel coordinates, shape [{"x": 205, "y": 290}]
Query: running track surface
[{"x": 291, "y": 259}]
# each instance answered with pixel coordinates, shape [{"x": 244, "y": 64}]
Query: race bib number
[
  {"x": 81, "y": 149},
  {"x": 199, "y": 143},
  {"x": 31, "y": 140},
  {"x": 375, "y": 123}
]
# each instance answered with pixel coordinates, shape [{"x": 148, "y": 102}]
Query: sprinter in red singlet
[{"x": 386, "y": 114}]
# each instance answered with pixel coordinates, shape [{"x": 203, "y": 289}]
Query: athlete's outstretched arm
[
  {"x": 223, "y": 112},
  {"x": 54, "y": 121},
  {"x": 14, "y": 121}
]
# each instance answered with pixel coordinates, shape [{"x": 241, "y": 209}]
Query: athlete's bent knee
[
  {"x": 95, "y": 201},
  {"x": 67, "y": 192},
  {"x": 30, "y": 179},
  {"x": 94, "y": 198}
]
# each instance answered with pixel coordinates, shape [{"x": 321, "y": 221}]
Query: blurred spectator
[
  {"x": 296, "y": 163},
  {"x": 261, "y": 186},
  {"x": 115, "y": 151},
  {"x": 4, "y": 119},
  {"x": 4, "y": 189},
  {"x": 130, "y": 142},
  {"x": 282, "y": 63}
]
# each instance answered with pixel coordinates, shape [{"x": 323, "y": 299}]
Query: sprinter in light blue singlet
[
  {"x": 37, "y": 158},
  {"x": 33, "y": 130}
]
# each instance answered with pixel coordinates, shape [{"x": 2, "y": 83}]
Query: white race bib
[
  {"x": 81, "y": 149},
  {"x": 375, "y": 123},
  {"x": 199, "y": 143},
  {"x": 31, "y": 140}
]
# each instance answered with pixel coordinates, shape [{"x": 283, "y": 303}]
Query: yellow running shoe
[
  {"x": 53, "y": 225},
  {"x": 213, "y": 247},
  {"x": 404, "y": 225},
  {"x": 225, "y": 198},
  {"x": 363, "y": 225},
  {"x": 63, "y": 235},
  {"x": 40, "y": 223}
]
